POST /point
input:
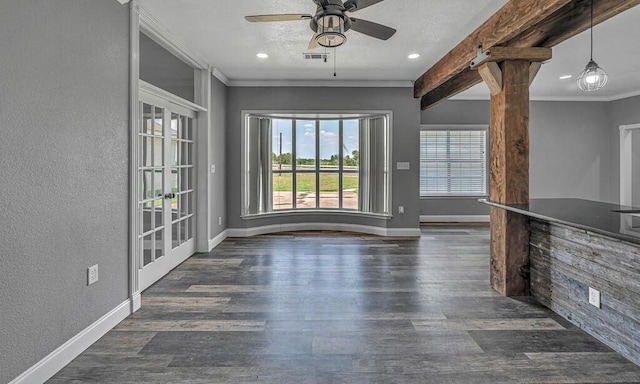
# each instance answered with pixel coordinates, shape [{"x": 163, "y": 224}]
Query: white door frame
[
  {"x": 142, "y": 21},
  {"x": 626, "y": 163},
  {"x": 626, "y": 174}
]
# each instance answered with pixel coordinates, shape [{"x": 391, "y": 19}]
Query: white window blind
[{"x": 453, "y": 162}]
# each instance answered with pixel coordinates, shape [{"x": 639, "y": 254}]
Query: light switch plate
[
  {"x": 594, "y": 297},
  {"x": 92, "y": 274},
  {"x": 403, "y": 165}
]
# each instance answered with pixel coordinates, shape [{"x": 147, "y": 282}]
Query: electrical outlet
[
  {"x": 213, "y": 168},
  {"x": 594, "y": 297},
  {"x": 219, "y": 220},
  {"x": 401, "y": 209},
  {"x": 92, "y": 274}
]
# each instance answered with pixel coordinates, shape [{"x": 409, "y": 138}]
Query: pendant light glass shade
[{"x": 593, "y": 77}]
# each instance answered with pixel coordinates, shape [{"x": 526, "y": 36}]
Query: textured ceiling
[{"x": 217, "y": 31}]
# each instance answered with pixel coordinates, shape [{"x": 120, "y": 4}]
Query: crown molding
[
  {"x": 323, "y": 83},
  {"x": 556, "y": 98},
  {"x": 220, "y": 76}
]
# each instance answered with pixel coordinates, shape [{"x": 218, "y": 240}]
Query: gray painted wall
[
  {"x": 455, "y": 112},
  {"x": 570, "y": 154},
  {"x": 570, "y": 150},
  {"x": 64, "y": 165},
  {"x": 406, "y": 121},
  {"x": 622, "y": 112},
  {"x": 218, "y": 155},
  {"x": 162, "y": 69}
]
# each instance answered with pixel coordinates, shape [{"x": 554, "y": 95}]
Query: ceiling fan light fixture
[{"x": 331, "y": 31}]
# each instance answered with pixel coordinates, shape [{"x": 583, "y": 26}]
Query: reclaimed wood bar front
[{"x": 575, "y": 245}]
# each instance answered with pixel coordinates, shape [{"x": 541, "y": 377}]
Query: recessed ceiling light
[
  {"x": 414, "y": 56},
  {"x": 565, "y": 77},
  {"x": 262, "y": 55}
]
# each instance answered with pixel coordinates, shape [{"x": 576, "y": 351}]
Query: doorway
[{"x": 166, "y": 201}]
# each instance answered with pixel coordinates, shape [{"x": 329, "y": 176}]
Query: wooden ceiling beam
[
  {"x": 570, "y": 21},
  {"x": 463, "y": 81},
  {"x": 560, "y": 25},
  {"x": 509, "y": 21}
]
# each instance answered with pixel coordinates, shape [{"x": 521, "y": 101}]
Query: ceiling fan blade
[
  {"x": 281, "y": 17},
  {"x": 356, "y": 5},
  {"x": 372, "y": 29},
  {"x": 313, "y": 44}
]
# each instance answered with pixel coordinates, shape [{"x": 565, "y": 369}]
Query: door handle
[{"x": 170, "y": 195}]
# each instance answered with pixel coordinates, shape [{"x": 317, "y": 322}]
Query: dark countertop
[{"x": 589, "y": 215}]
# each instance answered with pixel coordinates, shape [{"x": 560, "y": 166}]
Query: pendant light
[{"x": 593, "y": 77}]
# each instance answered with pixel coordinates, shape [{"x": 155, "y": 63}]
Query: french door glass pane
[
  {"x": 146, "y": 153},
  {"x": 329, "y": 190},
  {"x": 147, "y": 249},
  {"x": 329, "y": 144},
  {"x": 147, "y": 119},
  {"x": 282, "y": 191},
  {"x": 159, "y": 246},
  {"x": 146, "y": 185},
  {"x": 350, "y": 185},
  {"x": 146, "y": 212},
  {"x": 306, "y": 190},
  {"x": 306, "y": 145}
]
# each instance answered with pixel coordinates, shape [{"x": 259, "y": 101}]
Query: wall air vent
[{"x": 316, "y": 56}]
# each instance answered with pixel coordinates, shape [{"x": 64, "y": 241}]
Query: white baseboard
[
  {"x": 454, "y": 218},
  {"x": 63, "y": 355},
  {"x": 388, "y": 232},
  {"x": 217, "y": 240}
]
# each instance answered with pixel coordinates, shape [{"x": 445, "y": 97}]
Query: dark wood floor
[{"x": 343, "y": 308}]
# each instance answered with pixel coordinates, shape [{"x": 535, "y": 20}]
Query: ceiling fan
[{"x": 331, "y": 21}]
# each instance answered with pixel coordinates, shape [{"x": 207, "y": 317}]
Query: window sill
[
  {"x": 440, "y": 197},
  {"x": 317, "y": 212}
]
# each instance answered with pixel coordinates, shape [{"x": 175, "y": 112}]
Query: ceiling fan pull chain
[{"x": 334, "y": 63}]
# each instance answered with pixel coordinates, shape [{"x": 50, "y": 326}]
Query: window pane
[
  {"x": 350, "y": 190},
  {"x": 282, "y": 191},
  {"x": 453, "y": 162},
  {"x": 329, "y": 190},
  {"x": 305, "y": 145},
  {"x": 282, "y": 144},
  {"x": 306, "y": 190},
  {"x": 329, "y": 144},
  {"x": 351, "y": 145},
  {"x": 147, "y": 119}
]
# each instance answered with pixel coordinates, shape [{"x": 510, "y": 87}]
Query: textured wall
[
  {"x": 162, "y": 69},
  {"x": 218, "y": 156},
  {"x": 570, "y": 150},
  {"x": 63, "y": 164},
  {"x": 622, "y": 112},
  {"x": 406, "y": 116}
]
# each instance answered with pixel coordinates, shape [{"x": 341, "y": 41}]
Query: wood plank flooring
[{"x": 344, "y": 308}]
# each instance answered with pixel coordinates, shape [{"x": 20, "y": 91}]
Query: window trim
[
  {"x": 461, "y": 127},
  {"x": 315, "y": 115}
]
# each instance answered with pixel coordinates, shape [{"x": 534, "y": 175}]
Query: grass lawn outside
[{"x": 282, "y": 182}]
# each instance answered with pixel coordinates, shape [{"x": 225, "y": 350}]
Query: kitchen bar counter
[
  {"x": 603, "y": 218},
  {"x": 576, "y": 246}
]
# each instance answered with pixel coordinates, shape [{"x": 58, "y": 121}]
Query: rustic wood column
[{"x": 509, "y": 169}]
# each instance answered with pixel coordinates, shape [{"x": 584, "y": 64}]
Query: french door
[{"x": 166, "y": 198}]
